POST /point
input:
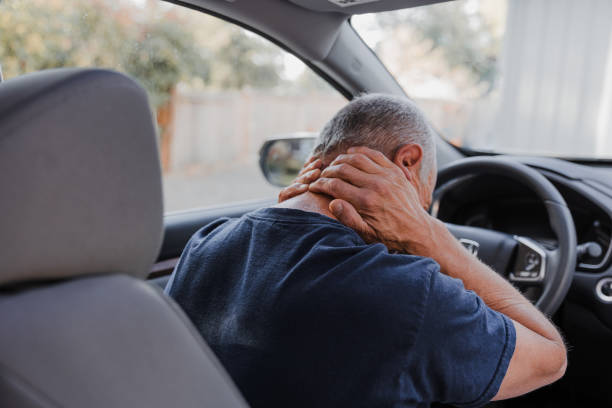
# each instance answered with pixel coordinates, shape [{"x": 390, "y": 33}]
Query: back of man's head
[{"x": 381, "y": 122}]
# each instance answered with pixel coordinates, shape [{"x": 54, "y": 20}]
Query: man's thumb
[{"x": 347, "y": 215}]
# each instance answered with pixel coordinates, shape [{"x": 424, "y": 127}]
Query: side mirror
[{"x": 282, "y": 158}]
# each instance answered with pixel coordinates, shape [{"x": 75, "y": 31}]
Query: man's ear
[{"x": 408, "y": 158}]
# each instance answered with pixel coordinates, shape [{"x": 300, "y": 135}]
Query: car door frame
[{"x": 372, "y": 76}]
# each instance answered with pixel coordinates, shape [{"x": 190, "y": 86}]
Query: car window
[
  {"x": 218, "y": 91},
  {"x": 528, "y": 77}
]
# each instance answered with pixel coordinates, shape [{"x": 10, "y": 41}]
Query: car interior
[
  {"x": 88, "y": 249},
  {"x": 82, "y": 328}
]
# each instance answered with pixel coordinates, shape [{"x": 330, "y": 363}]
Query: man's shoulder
[
  {"x": 270, "y": 230},
  {"x": 282, "y": 226},
  {"x": 316, "y": 247},
  {"x": 295, "y": 218},
  {"x": 369, "y": 290},
  {"x": 217, "y": 227},
  {"x": 321, "y": 243},
  {"x": 376, "y": 271}
]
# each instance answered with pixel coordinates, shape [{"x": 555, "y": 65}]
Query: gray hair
[{"x": 381, "y": 122}]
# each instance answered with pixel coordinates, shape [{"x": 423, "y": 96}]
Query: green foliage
[
  {"x": 310, "y": 82},
  {"x": 34, "y": 38},
  {"x": 259, "y": 63},
  {"x": 164, "y": 54},
  {"x": 465, "y": 36},
  {"x": 159, "y": 46}
]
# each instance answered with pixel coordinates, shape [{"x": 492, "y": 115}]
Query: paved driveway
[{"x": 185, "y": 190}]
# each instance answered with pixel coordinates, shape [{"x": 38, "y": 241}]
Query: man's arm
[
  {"x": 374, "y": 197},
  {"x": 540, "y": 356}
]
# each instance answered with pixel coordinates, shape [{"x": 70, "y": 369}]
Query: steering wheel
[{"x": 520, "y": 259}]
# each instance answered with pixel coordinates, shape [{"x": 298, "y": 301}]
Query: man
[{"x": 305, "y": 312}]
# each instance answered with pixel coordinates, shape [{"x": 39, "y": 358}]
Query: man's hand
[
  {"x": 374, "y": 197},
  {"x": 309, "y": 173}
]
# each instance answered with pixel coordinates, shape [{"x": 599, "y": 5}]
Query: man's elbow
[
  {"x": 557, "y": 363},
  {"x": 562, "y": 364}
]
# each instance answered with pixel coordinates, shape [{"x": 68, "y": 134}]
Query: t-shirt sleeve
[{"x": 463, "y": 347}]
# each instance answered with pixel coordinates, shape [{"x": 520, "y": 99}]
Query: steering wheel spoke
[{"x": 530, "y": 263}]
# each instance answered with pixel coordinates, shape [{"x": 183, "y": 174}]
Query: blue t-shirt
[{"x": 303, "y": 313}]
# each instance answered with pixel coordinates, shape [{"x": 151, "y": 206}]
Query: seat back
[{"x": 81, "y": 216}]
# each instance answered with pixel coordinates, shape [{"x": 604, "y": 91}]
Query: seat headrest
[{"x": 80, "y": 180}]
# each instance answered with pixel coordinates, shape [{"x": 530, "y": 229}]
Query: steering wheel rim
[{"x": 561, "y": 262}]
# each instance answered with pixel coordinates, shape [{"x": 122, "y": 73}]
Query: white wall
[
  {"x": 217, "y": 129},
  {"x": 556, "y": 91}
]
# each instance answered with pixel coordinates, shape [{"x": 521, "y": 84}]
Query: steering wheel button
[
  {"x": 606, "y": 288},
  {"x": 530, "y": 262},
  {"x": 603, "y": 290}
]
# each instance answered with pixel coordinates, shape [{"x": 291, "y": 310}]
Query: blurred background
[
  {"x": 490, "y": 75},
  {"x": 521, "y": 76}
]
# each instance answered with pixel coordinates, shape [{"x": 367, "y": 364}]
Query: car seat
[{"x": 81, "y": 211}]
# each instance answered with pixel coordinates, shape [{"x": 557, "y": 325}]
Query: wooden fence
[{"x": 217, "y": 129}]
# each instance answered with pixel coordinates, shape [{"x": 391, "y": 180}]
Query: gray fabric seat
[{"x": 81, "y": 211}]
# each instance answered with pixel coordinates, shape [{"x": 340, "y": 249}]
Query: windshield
[{"x": 526, "y": 77}]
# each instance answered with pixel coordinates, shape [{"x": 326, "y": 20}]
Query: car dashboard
[
  {"x": 505, "y": 205},
  {"x": 484, "y": 202}
]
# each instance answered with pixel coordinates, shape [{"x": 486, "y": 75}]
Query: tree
[
  {"x": 161, "y": 55},
  {"x": 48, "y": 36},
  {"x": 243, "y": 61},
  {"x": 466, "y": 35},
  {"x": 159, "y": 46},
  {"x": 39, "y": 35}
]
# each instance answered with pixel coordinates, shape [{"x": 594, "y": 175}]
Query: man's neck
[{"x": 309, "y": 202}]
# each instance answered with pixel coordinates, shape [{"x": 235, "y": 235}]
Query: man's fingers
[
  {"x": 310, "y": 159},
  {"x": 359, "y": 161},
  {"x": 347, "y": 215},
  {"x": 376, "y": 156},
  {"x": 308, "y": 177},
  {"x": 311, "y": 164},
  {"x": 292, "y": 191},
  {"x": 349, "y": 174},
  {"x": 337, "y": 188}
]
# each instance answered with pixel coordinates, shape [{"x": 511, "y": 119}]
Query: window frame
[{"x": 334, "y": 84}]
